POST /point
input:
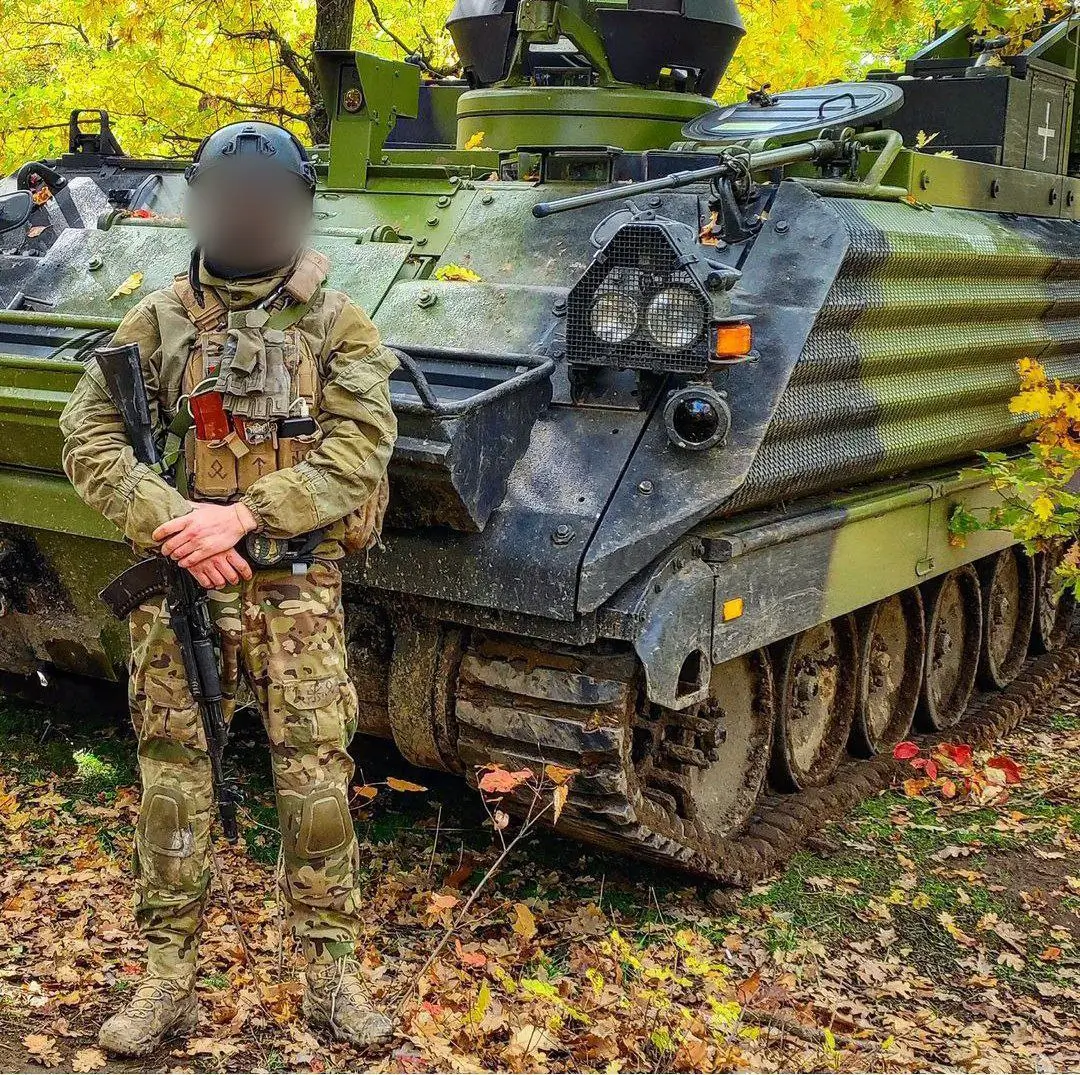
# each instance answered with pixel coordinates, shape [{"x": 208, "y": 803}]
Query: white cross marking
[{"x": 1046, "y": 132}]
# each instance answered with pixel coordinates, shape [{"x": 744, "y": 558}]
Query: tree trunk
[
  {"x": 333, "y": 30},
  {"x": 334, "y": 23}
]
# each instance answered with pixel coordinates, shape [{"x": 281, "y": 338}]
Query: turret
[{"x": 578, "y": 73}]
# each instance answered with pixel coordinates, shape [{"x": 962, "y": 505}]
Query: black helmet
[{"x": 262, "y": 141}]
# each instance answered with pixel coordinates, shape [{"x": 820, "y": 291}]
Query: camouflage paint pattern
[
  {"x": 284, "y": 634},
  {"x": 912, "y": 358}
]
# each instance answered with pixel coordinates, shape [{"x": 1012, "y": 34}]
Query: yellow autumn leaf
[
  {"x": 395, "y": 784},
  {"x": 557, "y": 774},
  {"x": 524, "y": 922},
  {"x": 559, "y": 800},
  {"x": 475, "y": 141},
  {"x": 366, "y": 792},
  {"x": 483, "y": 1002},
  {"x": 456, "y": 272},
  {"x": 128, "y": 287},
  {"x": 1042, "y": 507}
]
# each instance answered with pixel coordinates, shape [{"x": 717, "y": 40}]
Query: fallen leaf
[
  {"x": 524, "y": 921},
  {"x": 1008, "y": 767},
  {"x": 128, "y": 287},
  {"x": 457, "y": 272},
  {"x": 88, "y": 1060},
  {"x": 533, "y": 1039},
  {"x": 43, "y": 1047},
  {"x": 903, "y": 751},
  {"x": 499, "y": 781},
  {"x": 366, "y": 792},
  {"x": 36, "y": 230},
  {"x": 470, "y": 958},
  {"x": 441, "y": 901},
  {"x": 395, "y": 784}
]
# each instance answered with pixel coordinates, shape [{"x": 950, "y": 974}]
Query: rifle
[{"x": 185, "y": 599}]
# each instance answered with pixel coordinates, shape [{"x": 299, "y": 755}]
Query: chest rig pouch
[{"x": 253, "y": 384}]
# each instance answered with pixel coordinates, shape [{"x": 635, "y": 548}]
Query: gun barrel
[{"x": 815, "y": 150}]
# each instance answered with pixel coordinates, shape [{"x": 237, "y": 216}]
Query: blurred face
[{"x": 248, "y": 218}]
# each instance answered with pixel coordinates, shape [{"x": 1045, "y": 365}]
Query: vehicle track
[{"x": 523, "y": 706}]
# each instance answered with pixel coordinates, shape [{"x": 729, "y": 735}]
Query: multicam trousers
[{"x": 285, "y": 633}]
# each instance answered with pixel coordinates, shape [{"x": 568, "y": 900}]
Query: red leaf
[
  {"x": 141, "y": 214},
  {"x": 903, "y": 751},
  {"x": 1008, "y": 767},
  {"x": 931, "y": 768},
  {"x": 470, "y": 959},
  {"x": 958, "y": 753},
  {"x": 948, "y": 789},
  {"x": 498, "y": 781}
]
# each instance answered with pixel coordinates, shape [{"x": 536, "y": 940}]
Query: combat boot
[
  {"x": 335, "y": 999},
  {"x": 161, "y": 1008}
]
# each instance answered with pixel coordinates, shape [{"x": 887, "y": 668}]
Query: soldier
[{"x": 290, "y": 440}]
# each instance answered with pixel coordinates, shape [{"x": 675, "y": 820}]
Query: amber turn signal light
[{"x": 733, "y": 340}]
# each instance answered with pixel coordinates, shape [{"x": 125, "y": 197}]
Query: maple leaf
[
  {"x": 499, "y": 781},
  {"x": 43, "y": 1048},
  {"x": 88, "y": 1060},
  {"x": 475, "y": 141},
  {"x": 395, "y": 784},
  {"x": 905, "y": 750}
]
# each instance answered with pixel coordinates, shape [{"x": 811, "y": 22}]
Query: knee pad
[
  {"x": 324, "y": 825},
  {"x": 165, "y": 822}
]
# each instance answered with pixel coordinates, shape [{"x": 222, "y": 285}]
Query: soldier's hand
[
  {"x": 204, "y": 532},
  {"x": 226, "y": 568}
]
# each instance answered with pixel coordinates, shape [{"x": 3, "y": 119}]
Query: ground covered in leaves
[{"x": 938, "y": 928}]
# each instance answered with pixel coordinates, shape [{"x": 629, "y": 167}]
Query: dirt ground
[{"x": 938, "y": 928}]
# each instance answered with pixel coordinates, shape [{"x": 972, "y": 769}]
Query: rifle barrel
[{"x": 817, "y": 149}]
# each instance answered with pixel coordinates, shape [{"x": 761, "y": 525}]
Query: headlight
[
  {"x": 614, "y": 316},
  {"x": 675, "y": 318}
]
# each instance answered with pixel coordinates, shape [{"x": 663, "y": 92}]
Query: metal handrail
[{"x": 538, "y": 368}]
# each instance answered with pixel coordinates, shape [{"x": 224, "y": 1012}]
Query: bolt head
[
  {"x": 782, "y": 226},
  {"x": 562, "y": 534},
  {"x": 645, "y": 487}
]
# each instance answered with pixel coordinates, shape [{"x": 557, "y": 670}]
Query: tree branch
[{"x": 240, "y": 106}]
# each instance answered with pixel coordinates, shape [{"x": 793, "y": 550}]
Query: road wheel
[
  {"x": 1008, "y": 590},
  {"x": 816, "y": 675},
  {"x": 1053, "y": 611},
  {"x": 892, "y": 650},
  {"x": 953, "y": 606}
]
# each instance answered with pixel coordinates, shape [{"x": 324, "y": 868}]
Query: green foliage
[
  {"x": 171, "y": 73},
  {"x": 1038, "y": 504}
]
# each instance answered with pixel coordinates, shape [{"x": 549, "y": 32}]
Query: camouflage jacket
[{"x": 340, "y": 474}]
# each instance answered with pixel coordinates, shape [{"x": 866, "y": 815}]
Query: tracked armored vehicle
[{"x": 677, "y": 461}]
